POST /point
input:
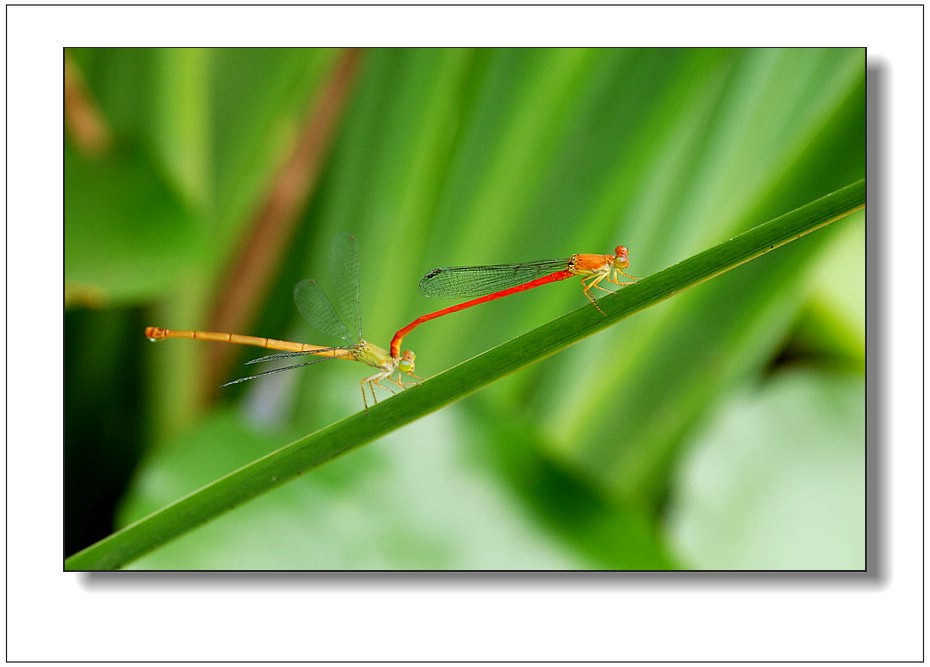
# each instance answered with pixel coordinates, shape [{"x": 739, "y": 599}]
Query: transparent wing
[
  {"x": 318, "y": 311},
  {"x": 289, "y": 355},
  {"x": 460, "y": 281},
  {"x": 344, "y": 274},
  {"x": 275, "y": 370}
]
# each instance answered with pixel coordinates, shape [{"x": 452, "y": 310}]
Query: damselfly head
[
  {"x": 407, "y": 362},
  {"x": 621, "y": 257}
]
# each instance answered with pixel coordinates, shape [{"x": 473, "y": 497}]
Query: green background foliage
[{"x": 723, "y": 428}]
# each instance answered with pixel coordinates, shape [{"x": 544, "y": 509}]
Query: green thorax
[{"x": 373, "y": 355}]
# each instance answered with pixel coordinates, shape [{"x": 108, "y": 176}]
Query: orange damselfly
[
  {"x": 496, "y": 281},
  {"x": 340, "y": 320}
]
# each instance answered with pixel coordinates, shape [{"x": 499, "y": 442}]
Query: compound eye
[
  {"x": 407, "y": 362},
  {"x": 621, "y": 252}
]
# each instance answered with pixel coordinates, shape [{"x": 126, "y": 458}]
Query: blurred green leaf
[
  {"x": 607, "y": 534},
  {"x": 777, "y": 480},
  {"x": 261, "y": 100},
  {"x": 361, "y": 512},
  {"x": 126, "y": 234},
  {"x": 191, "y": 160}
]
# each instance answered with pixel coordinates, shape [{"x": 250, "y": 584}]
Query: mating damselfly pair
[{"x": 341, "y": 318}]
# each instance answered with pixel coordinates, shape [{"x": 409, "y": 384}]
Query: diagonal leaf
[{"x": 459, "y": 381}]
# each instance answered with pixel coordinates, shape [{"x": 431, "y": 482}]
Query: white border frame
[{"x": 55, "y": 616}]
